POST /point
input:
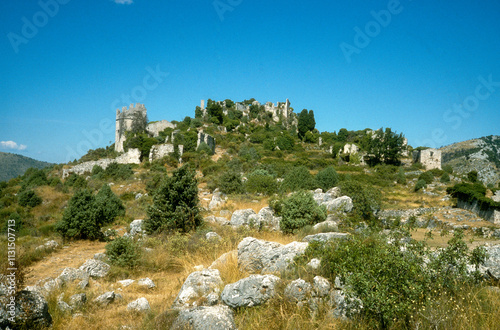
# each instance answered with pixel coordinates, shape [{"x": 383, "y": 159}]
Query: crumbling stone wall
[
  {"x": 209, "y": 140},
  {"x": 430, "y": 158},
  {"x": 126, "y": 120},
  {"x": 158, "y": 151},
  {"x": 155, "y": 128},
  {"x": 132, "y": 156}
]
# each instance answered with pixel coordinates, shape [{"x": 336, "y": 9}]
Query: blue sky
[{"x": 429, "y": 69}]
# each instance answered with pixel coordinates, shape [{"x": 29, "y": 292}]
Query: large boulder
[
  {"x": 106, "y": 298},
  {"x": 95, "y": 268},
  {"x": 326, "y": 226},
  {"x": 251, "y": 291},
  {"x": 216, "y": 220},
  {"x": 29, "y": 310},
  {"x": 325, "y": 237},
  {"x": 200, "y": 288},
  {"x": 242, "y": 218},
  {"x": 343, "y": 204},
  {"x": 265, "y": 218},
  {"x": 70, "y": 275},
  {"x": 259, "y": 256},
  {"x": 136, "y": 228},
  {"x": 218, "y": 317},
  {"x": 492, "y": 263}
]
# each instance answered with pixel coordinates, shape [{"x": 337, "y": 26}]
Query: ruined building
[
  {"x": 429, "y": 158},
  {"x": 133, "y": 118}
]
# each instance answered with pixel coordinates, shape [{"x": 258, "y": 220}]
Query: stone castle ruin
[
  {"x": 280, "y": 111},
  {"x": 131, "y": 119},
  {"x": 429, "y": 158}
]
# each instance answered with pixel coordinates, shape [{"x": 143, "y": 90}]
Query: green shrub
[
  {"x": 34, "y": 177},
  {"x": 230, "y": 183},
  {"x": 260, "y": 181},
  {"x": 298, "y": 178},
  {"x": 473, "y": 192},
  {"x": 29, "y": 198},
  {"x": 117, "y": 171},
  {"x": 300, "y": 210},
  {"x": 427, "y": 176},
  {"x": 175, "y": 203},
  {"x": 445, "y": 178},
  {"x": 472, "y": 176},
  {"x": 401, "y": 179},
  {"x": 75, "y": 181},
  {"x": 394, "y": 281},
  {"x": 327, "y": 178},
  {"x": 448, "y": 169},
  {"x": 109, "y": 204},
  {"x": 420, "y": 184},
  {"x": 366, "y": 199},
  {"x": 285, "y": 141},
  {"x": 86, "y": 214},
  {"x": 203, "y": 147},
  {"x": 248, "y": 153},
  {"x": 123, "y": 252}
]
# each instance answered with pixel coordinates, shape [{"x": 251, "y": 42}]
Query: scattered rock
[
  {"x": 31, "y": 311},
  {"x": 343, "y": 204},
  {"x": 259, "y": 256},
  {"x": 126, "y": 283},
  {"x": 325, "y": 237},
  {"x": 70, "y": 275},
  {"x": 63, "y": 307},
  {"x": 218, "y": 317},
  {"x": 314, "y": 263},
  {"x": 146, "y": 282},
  {"x": 139, "y": 305},
  {"x": 218, "y": 199},
  {"x": 321, "y": 286},
  {"x": 326, "y": 226},
  {"x": 106, "y": 298},
  {"x": 212, "y": 236},
  {"x": 242, "y": 218},
  {"x": 95, "y": 268},
  {"x": 251, "y": 291},
  {"x": 200, "y": 288},
  {"x": 49, "y": 246},
  {"x": 492, "y": 263},
  {"x": 77, "y": 300},
  {"x": 218, "y": 220},
  {"x": 136, "y": 228},
  {"x": 100, "y": 256},
  {"x": 298, "y": 290}
]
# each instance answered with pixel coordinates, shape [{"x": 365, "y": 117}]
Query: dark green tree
[
  {"x": 175, "y": 203},
  {"x": 306, "y": 122},
  {"x": 215, "y": 112},
  {"x": 386, "y": 147}
]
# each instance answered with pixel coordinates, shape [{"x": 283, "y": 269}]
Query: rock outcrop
[
  {"x": 251, "y": 291},
  {"x": 218, "y": 317},
  {"x": 200, "y": 288}
]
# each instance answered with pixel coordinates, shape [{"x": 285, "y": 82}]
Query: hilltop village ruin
[{"x": 135, "y": 117}]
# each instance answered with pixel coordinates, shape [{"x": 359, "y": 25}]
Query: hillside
[
  {"x": 13, "y": 165},
  {"x": 481, "y": 155}
]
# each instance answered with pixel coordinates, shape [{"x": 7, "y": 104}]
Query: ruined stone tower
[
  {"x": 430, "y": 158},
  {"x": 128, "y": 120}
]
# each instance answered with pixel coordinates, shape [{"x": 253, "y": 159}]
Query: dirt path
[{"x": 71, "y": 255}]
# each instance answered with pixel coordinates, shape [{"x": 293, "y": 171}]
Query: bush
[
  {"x": 448, "y": 169},
  {"x": 260, "y": 181},
  {"x": 366, "y": 200},
  {"x": 34, "y": 177},
  {"x": 117, "y": 171},
  {"x": 472, "y": 176},
  {"x": 86, "y": 214},
  {"x": 29, "y": 198},
  {"x": 401, "y": 179},
  {"x": 327, "y": 178},
  {"x": 123, "y": 252},
  {"x": 230, "y": 183},
  {"x": 427, "y": 176},
  {"x": 175, "y": 203},
  {"x": 298, "y": 178},
  {"x": 420, "y": 184},
  {"x": 75, "y": 181},
  {"x": 203, "y": 147},
  {"x": 300, "y": 210},
  {"x": 394, "y": 281},
  {"x": 109, "y": 204},
  {"x": 285, "y": 142},
  {"x": 445, "y": 178}
]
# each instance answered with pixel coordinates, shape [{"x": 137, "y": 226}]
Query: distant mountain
[
  {"x": 481, "y": 155},
  {"x": 13, "y": 165}
]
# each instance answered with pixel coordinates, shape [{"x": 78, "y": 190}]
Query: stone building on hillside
[
  {"x": 429, "y": 158},
  {"x": 133, "y": 118}
]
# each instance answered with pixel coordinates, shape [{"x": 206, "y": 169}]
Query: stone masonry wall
[{"x": 491, "y": 215}]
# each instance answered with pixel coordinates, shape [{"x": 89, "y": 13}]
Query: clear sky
[{"x": 428, "y": 69}]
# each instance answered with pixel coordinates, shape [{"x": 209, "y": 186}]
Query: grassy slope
[{"x": 12, "y": 165}]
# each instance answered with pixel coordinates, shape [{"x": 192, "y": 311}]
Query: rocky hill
[
  {"x": 481, "y": 155},
  {"x": 12, "y": 165}
]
